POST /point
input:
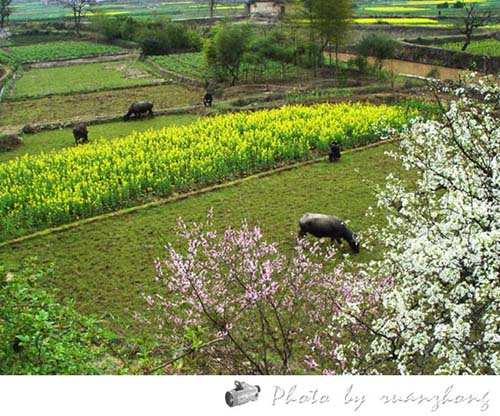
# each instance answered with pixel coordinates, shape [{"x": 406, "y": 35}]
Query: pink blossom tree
[{"x": 267, "y": 311}]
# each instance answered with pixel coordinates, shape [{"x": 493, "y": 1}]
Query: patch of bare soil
[
  {"x": 129, "y": 72},
  {"x": 77, "y": 61}
]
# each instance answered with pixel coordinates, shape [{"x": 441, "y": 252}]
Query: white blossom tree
[{"x": 443, "y": 314}]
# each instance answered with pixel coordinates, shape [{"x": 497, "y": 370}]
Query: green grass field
[
  {"x": 94, "y": 104},
  {"x": 488, "y": 47},
  {"x": 106, "y": 265},
  {"x": 81, "y": 78},
  {"x": 57, "y": 50}
]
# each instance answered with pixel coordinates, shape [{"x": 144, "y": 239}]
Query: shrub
[
  {"x": 39, "y": 335},
  {"x": 10, "y": 142},
  {"x": 378, "y": 45}
]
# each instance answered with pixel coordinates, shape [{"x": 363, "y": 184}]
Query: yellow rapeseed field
[{"x": 57, "y": 187}]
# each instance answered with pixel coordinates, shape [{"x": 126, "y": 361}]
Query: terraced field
[
  {"x": 38, "y": 82},
  {"x": 172, "y": 9},
  {"x": 106, "y": 265},
  {"x": 91, "y": 105},
  {"x": 488, "y": 47},
  {"x": 58, "y": 187},
  {"x": 193, "y": 65},
  {"x": 56, "y": 50}
]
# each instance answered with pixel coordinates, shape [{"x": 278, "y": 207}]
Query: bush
[
  {"x": 10, "y": 142},
  {"x": 359, "y": 62},
  {"x": 156, "y": 37},
  {"x": 39, "y": 335},
  {"x": 106, "y": 26},
  {"x": 378, "y": 45}
]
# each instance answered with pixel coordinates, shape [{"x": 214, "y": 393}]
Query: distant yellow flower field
[
  {"x": 394, "y": 9},
  {"x": 414, "y": 21}
]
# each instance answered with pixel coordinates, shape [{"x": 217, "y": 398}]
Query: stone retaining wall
[{"x": 453, "y": 59}]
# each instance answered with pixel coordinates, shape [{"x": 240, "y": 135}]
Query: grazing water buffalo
[
  {"x": 81, "y": 134},
  {"x": 207, "y": 100},
  {"x": 138, "y": 108},
  {"x": 334, "y": 153},
  {"x": 321, "y": 225}
]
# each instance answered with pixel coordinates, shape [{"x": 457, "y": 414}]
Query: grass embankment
[
  {"x": 106, "y": 265},
  {"x": 95, "y": 104},
  {"x": 46, "y": 141}
]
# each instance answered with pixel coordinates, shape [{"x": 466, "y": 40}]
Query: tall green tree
[
  {"x": 331, "y": 21},
  {"x": 5, "y": 11},
  {"x": 225, "y": 49}
]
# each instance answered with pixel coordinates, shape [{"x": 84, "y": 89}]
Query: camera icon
[{"x": 243, "y": 393}]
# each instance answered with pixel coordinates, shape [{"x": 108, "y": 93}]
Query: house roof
[{"x": 265, "y": 1}]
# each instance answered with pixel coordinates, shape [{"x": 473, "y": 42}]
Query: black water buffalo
[
  {"x": 81, "y": 134},
  {"x": 138, "y": 108},
  {"x": 334, "y": 153},
  {"x": 321, "y": 225},
  {"x": 207, "y": 100}
]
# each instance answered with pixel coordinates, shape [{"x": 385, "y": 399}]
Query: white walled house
[{"x": 259, "y": 9}]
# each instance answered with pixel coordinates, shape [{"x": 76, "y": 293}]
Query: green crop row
[
  {"x": 193, "y": 65},
  {"x": 188, "y": 64},
  {"x": 56, "y": 50}
]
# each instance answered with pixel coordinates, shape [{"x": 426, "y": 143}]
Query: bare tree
[
  {"x": 473, "y": 19},
  {"x": 5, "y": 11},
  {"x": 79, "y": 8},
  {"x": 211, "y": 6}
]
